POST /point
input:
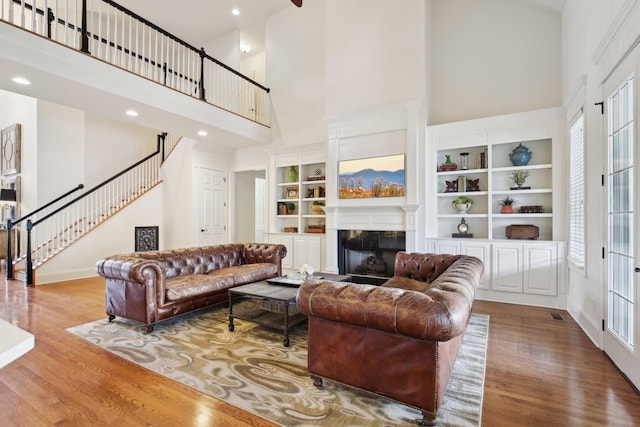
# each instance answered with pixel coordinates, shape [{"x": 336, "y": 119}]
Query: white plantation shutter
[{"x": 576, "y": 192}]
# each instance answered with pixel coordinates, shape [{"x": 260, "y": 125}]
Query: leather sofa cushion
[
  {"x": 249, "y": 273},
  {"x": 185, "y": 287},
  {"x": 407, "y": 283}
]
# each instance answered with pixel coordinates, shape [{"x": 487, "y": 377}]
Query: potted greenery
[
  {"x": 462, "y": 204},
  {"x": 519, "y": 177},
  {"x": 291, "y": 207},
  {"x": 506, "y": 205}
]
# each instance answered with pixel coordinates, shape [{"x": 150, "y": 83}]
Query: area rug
[{"x": 251, "y": 369}]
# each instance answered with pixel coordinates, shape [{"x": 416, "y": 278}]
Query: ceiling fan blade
[{"x": 297, "y": 2}]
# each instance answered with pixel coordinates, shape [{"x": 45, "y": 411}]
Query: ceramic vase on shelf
[
  {"x": 520, "y": 156},
  {"x": 293, "y": 174}
]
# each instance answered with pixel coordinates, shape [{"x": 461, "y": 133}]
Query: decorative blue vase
[{"x": 520, "y": 156}]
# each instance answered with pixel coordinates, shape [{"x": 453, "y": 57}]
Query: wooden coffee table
[{"x": 279, "y": 309}]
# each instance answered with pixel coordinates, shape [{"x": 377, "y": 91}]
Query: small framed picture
[
  {"x": 146, "y": 238},
  {"x": 10, "y": 150},
  {"x": 291, "y": 193}
]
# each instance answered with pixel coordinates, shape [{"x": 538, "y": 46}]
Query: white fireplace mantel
[{"x": 389, "y": 130}]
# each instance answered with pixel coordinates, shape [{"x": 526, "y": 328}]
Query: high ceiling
[
  {"x": 200, "y": 21},
  {"x": 194, "y": 21}
]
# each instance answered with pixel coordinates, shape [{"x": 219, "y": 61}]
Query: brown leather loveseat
[
  {"x": 151, "y": 286},
  {"x": 398, "y": 340}
]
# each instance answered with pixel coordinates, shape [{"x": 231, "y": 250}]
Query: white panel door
[
  {"x": 212, "y": 207},
  {"x": 260, "y": 186}
]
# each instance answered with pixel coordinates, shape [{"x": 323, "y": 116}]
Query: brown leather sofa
[
  {"x": 398, "y": 340},
  {"x": 152, "y": 286}
]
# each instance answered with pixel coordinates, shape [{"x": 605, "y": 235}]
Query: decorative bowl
[{"x": 461, "y": 207}]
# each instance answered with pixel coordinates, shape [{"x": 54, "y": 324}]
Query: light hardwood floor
[{"x": 540, "y": 372}]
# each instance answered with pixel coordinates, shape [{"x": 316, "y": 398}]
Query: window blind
[{"x": 576, "y": 192}]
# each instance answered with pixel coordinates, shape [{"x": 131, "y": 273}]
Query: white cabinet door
[
  {"x": 507, "y": 267},
  {"x": 314, "y": 252},
  {"x": 287, "y": 241},
  {"x": 308, "y": 250},
  {"x": 299, "y": 251},
  {"x": 541, "y": 269},
  {"x": 287, "y": 262},
  {"x": 448, "y": 247},
  {"x": 482, "y": 251}
]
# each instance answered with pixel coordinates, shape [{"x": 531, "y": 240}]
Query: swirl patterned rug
[{"x": 251, "y": 369}]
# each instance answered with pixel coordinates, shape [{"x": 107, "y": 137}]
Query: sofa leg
[
  {"x": 317, "y": 381},
  {"x": 149, "y": 329},
  {"x": 111, "y": 317},
  {"x": 426, "y": 420}
]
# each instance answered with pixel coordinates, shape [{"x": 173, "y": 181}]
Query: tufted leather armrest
[
  {"x": 259, "y": 252},
  {"x": 429, "y": 311},
  {"x": 130, "y": 268},
  {"x": 423, "y": 267},
  {"x": 127, "y": 267}
]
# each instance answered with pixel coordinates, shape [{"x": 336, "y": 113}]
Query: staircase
[{"x": 45, "y": 233}]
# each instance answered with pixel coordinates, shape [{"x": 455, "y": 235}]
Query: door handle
[
  {"x": 202, "y": 230},
  {"x": 637, "y": 269}
]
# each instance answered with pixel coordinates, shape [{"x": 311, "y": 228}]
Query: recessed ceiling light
[
  {"x": 132, "y": 113},
  {"x": 235, "y": 11},
  {"x": 21, "y": 81},
  {"x": 202, "y": 133}
]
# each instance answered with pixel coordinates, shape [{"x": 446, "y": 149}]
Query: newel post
[
  {"x": 9, "y": 256},
  {"x": 29, "y": 262}
]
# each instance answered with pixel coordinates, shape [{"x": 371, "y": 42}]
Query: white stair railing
[{"x": 52, "y": 231}]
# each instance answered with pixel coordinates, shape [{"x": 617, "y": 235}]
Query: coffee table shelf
[
  {"x": 284, "y": 296},
  {"x": 279, "y": 309}
]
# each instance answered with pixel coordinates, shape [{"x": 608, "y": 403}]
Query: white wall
[
  {"x": 295, "y": 70},
  {"x": 60, "y": 148},
  {"x": 244, "y": 205},
  {"x": 253, "y": 66},
  {"x": 493, "y": 57},
  {"x": 375, "y": 54},
  {"x": 112, "y": 146},
  {"x": 225, "y": 49},
  {"x": 177, "y": 208}
]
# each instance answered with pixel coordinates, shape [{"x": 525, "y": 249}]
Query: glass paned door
[{"x": 621, "y": 214}]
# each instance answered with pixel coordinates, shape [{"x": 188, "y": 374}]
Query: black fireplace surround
[{"x": 369, "y": 256}]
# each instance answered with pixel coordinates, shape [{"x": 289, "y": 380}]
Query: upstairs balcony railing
[{"x": 114, "y": 34}]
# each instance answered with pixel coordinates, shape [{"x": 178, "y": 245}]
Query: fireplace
[{"x": 369, "y": 256}]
